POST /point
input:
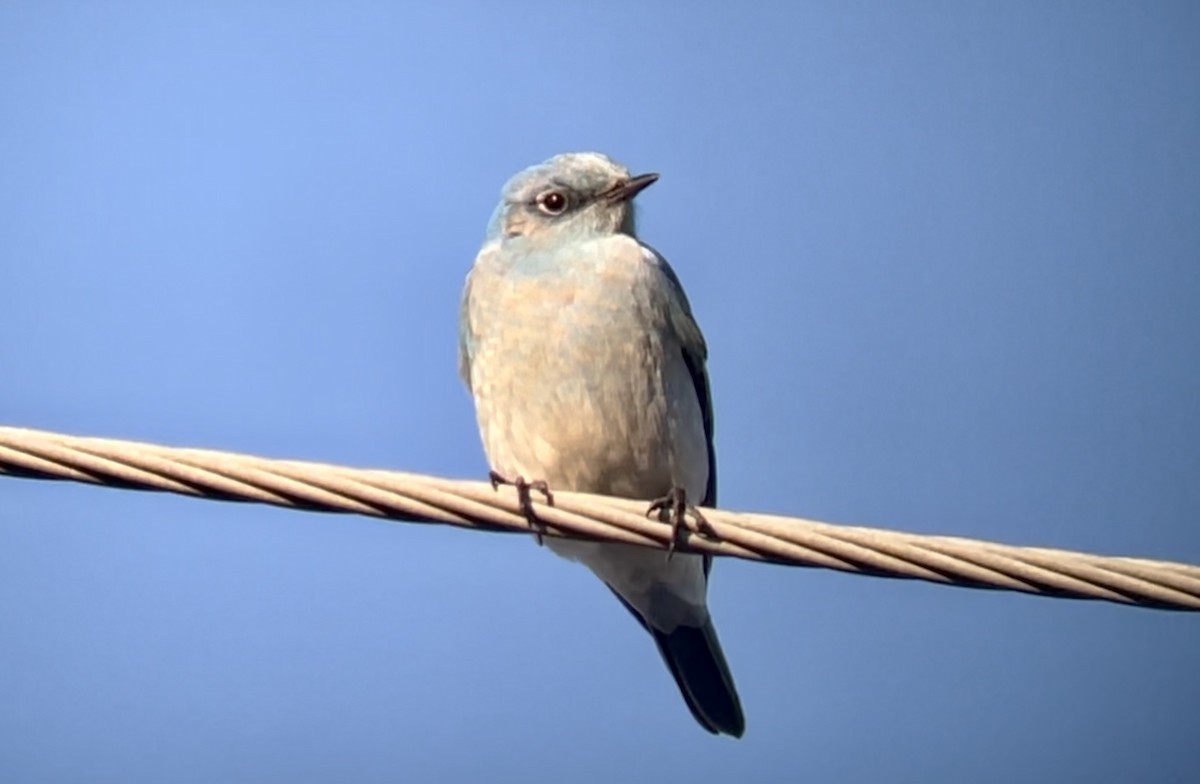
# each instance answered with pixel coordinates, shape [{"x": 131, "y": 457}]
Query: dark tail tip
[{"x": 694, "y": 656}]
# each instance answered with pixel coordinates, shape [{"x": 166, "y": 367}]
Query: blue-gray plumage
[{"x": 587, "y": 369}]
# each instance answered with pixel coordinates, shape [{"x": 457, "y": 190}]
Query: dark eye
[{"x": 552, "y": 202}]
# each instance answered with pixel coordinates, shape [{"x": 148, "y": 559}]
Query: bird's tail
[{"x": 693, "y": 654}]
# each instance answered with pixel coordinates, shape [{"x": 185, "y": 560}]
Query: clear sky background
[{"x": 947, "y": 258}]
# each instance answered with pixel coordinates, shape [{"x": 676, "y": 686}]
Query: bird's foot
[
  {"x": 524, "y": 497},
  {"x": 674, "y": 509}
]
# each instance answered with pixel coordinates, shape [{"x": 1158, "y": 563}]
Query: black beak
[{"x": 631, "y": 187}]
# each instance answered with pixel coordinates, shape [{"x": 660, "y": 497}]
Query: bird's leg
[
  {"x": 676, "y": 508},
  {"x": 524, "y": 499}
]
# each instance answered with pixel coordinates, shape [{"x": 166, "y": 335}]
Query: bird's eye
[{"x": 552, "y": 202}]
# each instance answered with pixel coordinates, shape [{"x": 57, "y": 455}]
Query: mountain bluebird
[{"x": 587, "y": 368}]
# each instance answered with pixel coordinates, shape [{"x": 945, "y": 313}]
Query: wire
[{"x": 417, "y": 498}]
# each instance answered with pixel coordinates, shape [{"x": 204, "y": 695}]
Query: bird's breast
[{"x": 572, "y": 376}]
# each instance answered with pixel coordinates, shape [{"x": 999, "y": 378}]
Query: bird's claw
[
  {"x": 524, "y": 497},
  {"x": 674, "y": 508}
]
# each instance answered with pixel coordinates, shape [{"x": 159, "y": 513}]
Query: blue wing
[{"x": 695, "y": 354}]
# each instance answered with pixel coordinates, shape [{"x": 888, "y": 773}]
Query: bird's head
[{"x": 571, "y": 195}]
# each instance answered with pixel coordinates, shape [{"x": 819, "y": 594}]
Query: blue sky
[{"x": 947, "y": 258}]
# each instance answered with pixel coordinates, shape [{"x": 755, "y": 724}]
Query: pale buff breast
[{"x": 580, "y": 381}]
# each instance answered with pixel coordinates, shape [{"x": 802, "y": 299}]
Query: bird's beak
[{"x": 631, "y": 187}]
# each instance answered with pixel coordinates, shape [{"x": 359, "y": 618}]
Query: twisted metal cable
[{"x": 418, "y": 498}]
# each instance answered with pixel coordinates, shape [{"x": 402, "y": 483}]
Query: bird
[{"x": 587, "y": 370}]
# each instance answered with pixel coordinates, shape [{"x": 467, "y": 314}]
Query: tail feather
[{"x": 694, "y": 657}]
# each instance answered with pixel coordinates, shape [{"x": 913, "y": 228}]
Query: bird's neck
[{"x": 538, "y": 255}]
